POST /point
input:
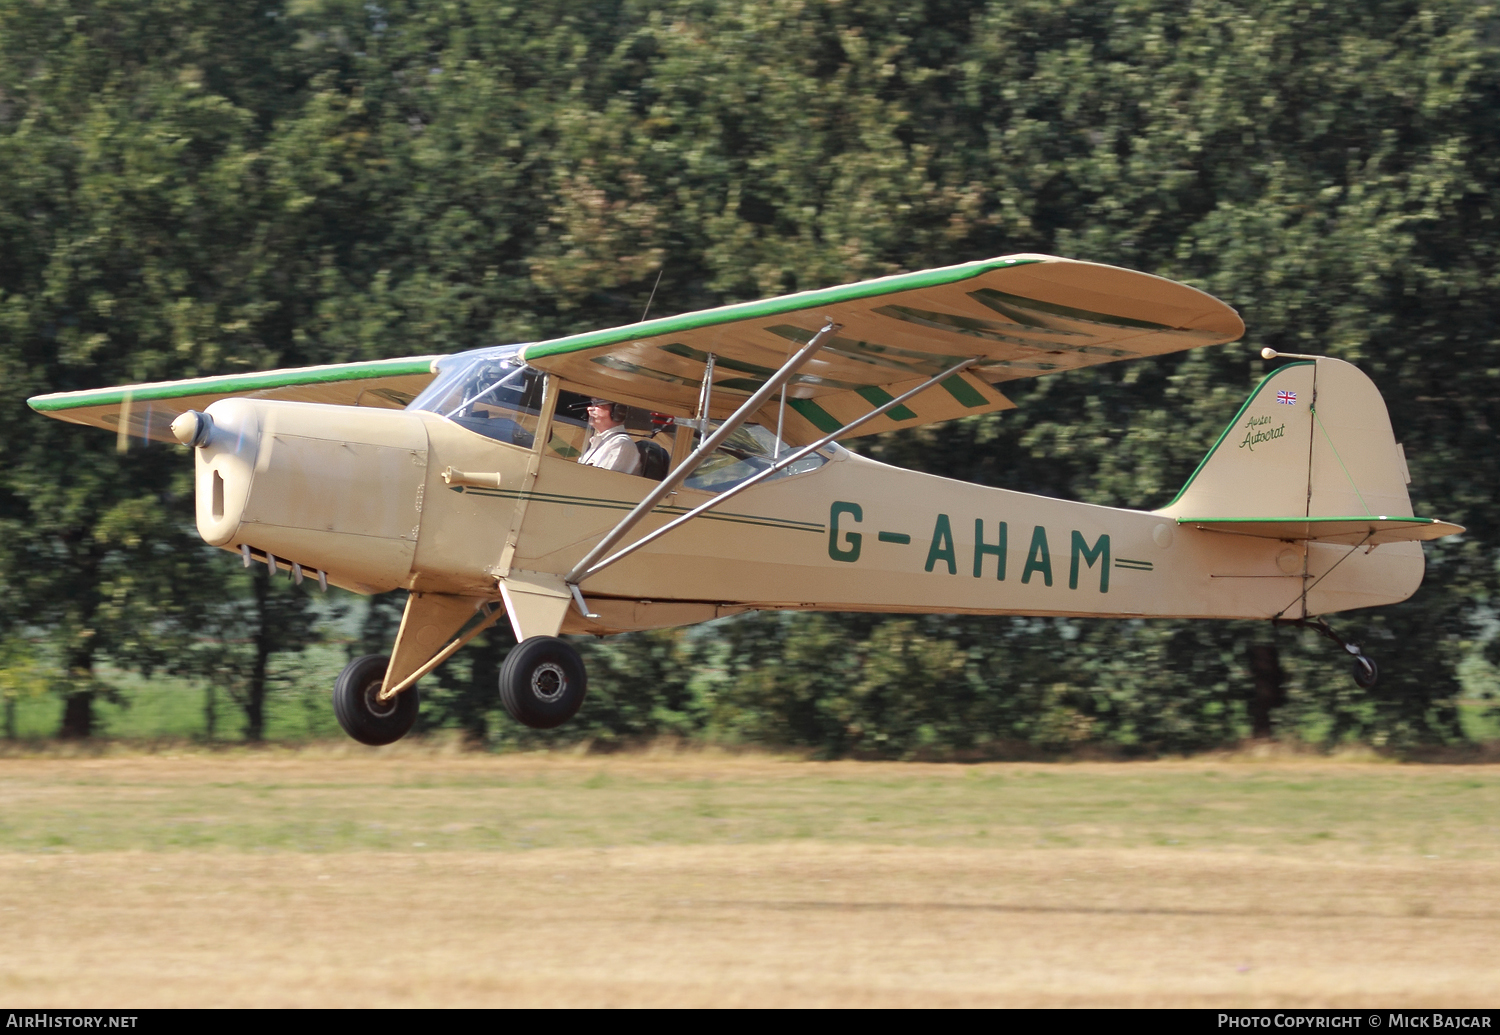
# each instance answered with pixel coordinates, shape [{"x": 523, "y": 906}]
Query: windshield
[{"x": 488, "y": 391}]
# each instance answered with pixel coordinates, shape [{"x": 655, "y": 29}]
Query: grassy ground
[
  {"x": 298, "y": 708},
  {"x": 161, "y": 707},
  {"x": 421, "y": 875}
]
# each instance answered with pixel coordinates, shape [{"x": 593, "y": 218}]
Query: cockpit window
[
  {"x": 489, "y": 392},
  {"x": 748, "y": 451}
]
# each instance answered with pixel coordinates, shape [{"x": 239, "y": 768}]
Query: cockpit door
[{"x": 533, "y": 465}]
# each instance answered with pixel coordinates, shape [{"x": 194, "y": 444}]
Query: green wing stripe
[
  {"x": 1016, "y": 307},
  {"x": 233, "y": 384},
  {"x": 728, "y": 363},
  {"x": 952, "y": 323},
  {"x": 768, "y": 307},
  {"x": 963, "y": 391},
  {"x": 879, "y": 397},
  {"x": 676, "y": 348},
  {"x": 627, "y": 367},
  {"x": 908, "y": 361},
  {"x": 816, "y": 415},
  {"x": 968, "y": 325}
]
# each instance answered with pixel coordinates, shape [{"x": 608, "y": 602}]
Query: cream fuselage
[{"x": 361, "y": 494}]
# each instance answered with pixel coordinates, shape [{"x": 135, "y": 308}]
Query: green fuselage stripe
[
  {"x": 1362, "y": 518},
  {"x": 598, "y": 503}
]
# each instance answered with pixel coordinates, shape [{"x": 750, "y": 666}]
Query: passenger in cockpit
[{"x": 611, "y": 447}]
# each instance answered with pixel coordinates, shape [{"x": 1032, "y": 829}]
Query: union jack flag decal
[{"x": 1286, "y": 398}]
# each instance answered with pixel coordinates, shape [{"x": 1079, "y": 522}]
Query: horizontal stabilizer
[{"x": 1349, "y": 531}]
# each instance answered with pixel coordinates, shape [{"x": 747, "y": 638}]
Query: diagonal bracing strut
[
  {"x": 709, "y": 444},
  {"x": 785, "y": 461},
  {"x": 484, "y": 616}
]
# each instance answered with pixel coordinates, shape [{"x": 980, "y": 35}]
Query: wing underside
[
  {"x": 146, "y": 411},
  {"x": 1019, "y": 316}
]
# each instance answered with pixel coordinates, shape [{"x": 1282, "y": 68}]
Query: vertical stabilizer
[{"x": 1313, "y": 440}]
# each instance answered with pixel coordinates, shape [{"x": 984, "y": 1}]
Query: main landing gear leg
[
  {"x": 1366, "y": 672},
  {"x": 372, "y": 712}
]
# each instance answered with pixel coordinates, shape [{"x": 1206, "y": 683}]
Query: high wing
[
  {"x": 1019, "y": 316},
  {"x": 146, "y": 411}
]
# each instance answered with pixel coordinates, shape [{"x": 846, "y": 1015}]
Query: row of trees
[{"x": 189, "y": 188}]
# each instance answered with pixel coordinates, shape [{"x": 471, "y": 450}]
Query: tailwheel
[
  {"x": 1366, "y": 672},
  {"x": 361, "y": 713},
  {"x": 542, "y": 682}
]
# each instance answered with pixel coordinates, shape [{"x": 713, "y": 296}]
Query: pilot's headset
[{"x": 617, "y": 411}]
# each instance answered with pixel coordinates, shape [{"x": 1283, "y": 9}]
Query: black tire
[
  {"x": 542, "y": 682},
  {"x": 363, "y": 717},
  {"x": 1366, "y": 672}
]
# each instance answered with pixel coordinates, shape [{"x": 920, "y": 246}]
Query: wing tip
[{"x": 1213, "y": 316}]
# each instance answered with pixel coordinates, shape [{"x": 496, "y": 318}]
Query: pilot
[{"x": 611, "y": 446}]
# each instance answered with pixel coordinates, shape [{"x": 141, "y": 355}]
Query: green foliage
[
  {"x": 189, "y": 188},
  {"x": 239, "y": 634},
  {"x": 978, "y": 687},
  {"x": 22, "y": 676},
  {"x": 466, "y": 694}
]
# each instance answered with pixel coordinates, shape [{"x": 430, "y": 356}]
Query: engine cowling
[{"x": 337, "y": 488}]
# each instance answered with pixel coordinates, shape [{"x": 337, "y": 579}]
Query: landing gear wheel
[
  {"x": 364, "y": 717},
  {"x": 542, "y": 682},
  {"x": 1366, "y": 672}
]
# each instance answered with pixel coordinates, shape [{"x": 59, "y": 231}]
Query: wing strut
[
  {"x": 785, "y": 461},
  {"x": 708, "y": 445}
]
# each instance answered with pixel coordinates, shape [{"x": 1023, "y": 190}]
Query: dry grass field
[{"x": 425, "y": 877}]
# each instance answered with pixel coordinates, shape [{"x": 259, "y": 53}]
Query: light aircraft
[{"x": 457, "y": 477}]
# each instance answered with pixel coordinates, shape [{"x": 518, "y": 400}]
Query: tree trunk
[
  {"x": 1265, "y": 668},
  {"x": 474, "y": 702},
  {"x": 78, "y": 705},
  {"x": 78, "y": 715}
]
